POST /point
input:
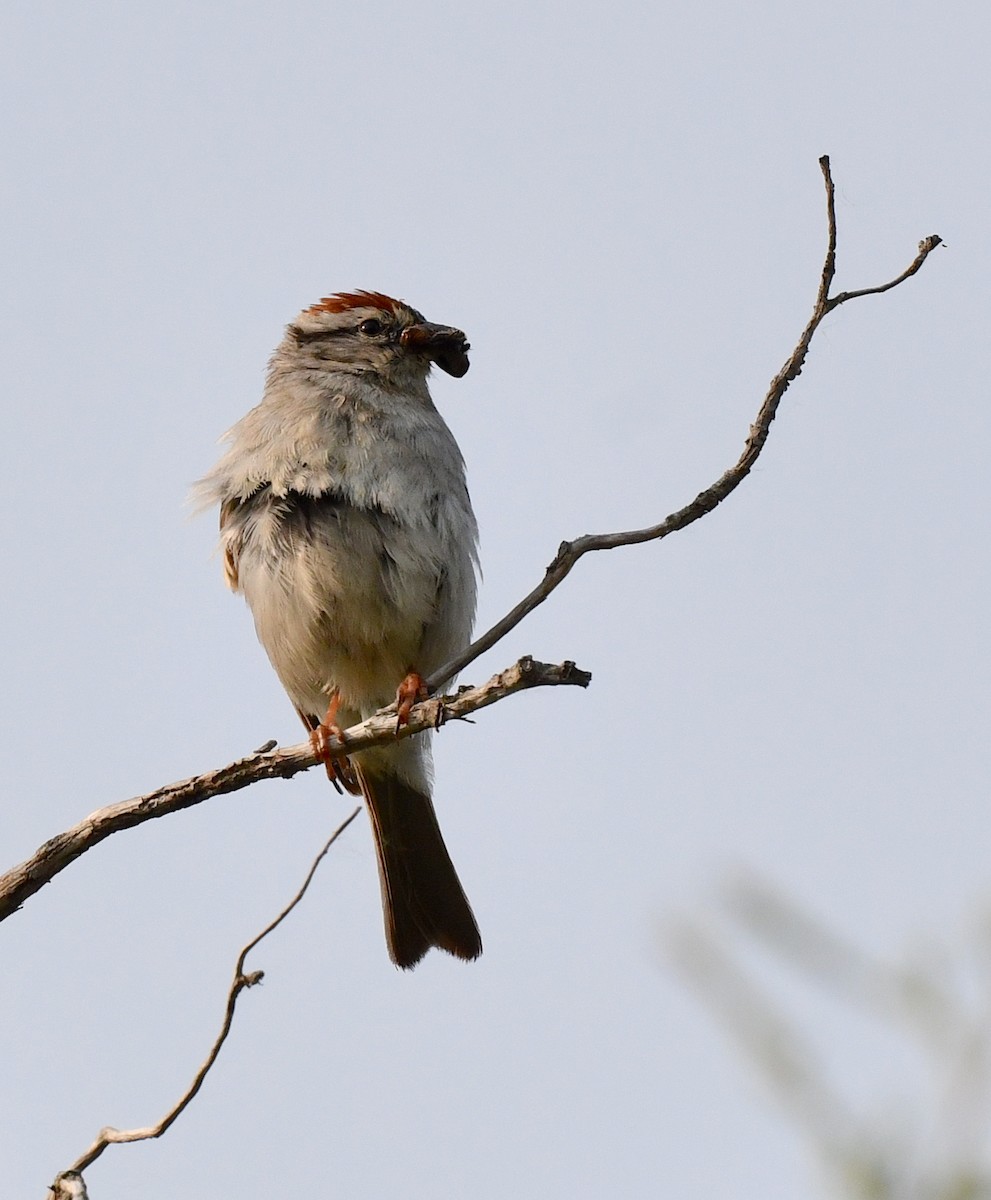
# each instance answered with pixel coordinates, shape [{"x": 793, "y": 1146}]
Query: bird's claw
[
  {"x": 338, "y": 765},
  {"x": 412, "y": 689}
]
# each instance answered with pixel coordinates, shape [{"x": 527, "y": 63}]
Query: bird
[{"x": 346, "y": 524}]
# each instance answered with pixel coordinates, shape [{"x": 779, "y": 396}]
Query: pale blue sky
[{"x": 622, "y": 207}]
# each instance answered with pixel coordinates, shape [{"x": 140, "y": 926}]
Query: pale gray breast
[{"x": 352, "y": 597}]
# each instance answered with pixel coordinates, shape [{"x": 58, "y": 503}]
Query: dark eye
[{"x": 371, "y": 327}]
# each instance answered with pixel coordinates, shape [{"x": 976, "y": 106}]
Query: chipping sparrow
[{"x": 345, "y": 521}]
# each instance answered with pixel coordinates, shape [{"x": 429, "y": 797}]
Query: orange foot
[
  {"x": 412, "y": 689},
  {"x": 338, "y": 767}
]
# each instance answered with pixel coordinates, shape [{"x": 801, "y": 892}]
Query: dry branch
[
  {"x": 23, "y": 881},
  {"x": 58, "y": 852},
  {"x": 570, "y": 552},
  {"x": 110, "y": 1136}
]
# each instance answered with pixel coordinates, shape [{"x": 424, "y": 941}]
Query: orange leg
[
  {"x": 337, "y": 767},
  {"x": 412, "y": 689}
]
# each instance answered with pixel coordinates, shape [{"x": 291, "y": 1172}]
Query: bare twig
[
  {"x": 58, "y": 852},
  {"x": 570, "y": 552},
  {"x": 109, "y": 1136}
]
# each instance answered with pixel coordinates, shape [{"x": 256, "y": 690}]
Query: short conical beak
[{"x": 445, "y": 346}]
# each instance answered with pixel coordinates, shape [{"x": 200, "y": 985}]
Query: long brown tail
[{"x": 422, "y": 898}]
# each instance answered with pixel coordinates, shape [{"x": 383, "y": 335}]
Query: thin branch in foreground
[
  {"x": 241, "y": 981},
  {"x": 30, "y": 876},
  {"x": 570, "y": 552}
]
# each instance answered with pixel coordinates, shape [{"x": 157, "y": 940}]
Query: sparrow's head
[{"x": 361, "y": 332}]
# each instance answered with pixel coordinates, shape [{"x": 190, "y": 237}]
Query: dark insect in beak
[{"x": 445, "y": 346}]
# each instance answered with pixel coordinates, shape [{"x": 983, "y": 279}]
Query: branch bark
[{"x": 22, "y": 881}]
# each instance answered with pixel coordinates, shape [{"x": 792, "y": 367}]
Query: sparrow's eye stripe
[
  {"x": 371, "y": 327},
  {"x": 303, "y": 336}
]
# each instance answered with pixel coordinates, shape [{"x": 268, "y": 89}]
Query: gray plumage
[{"x": 346, "y": 524}]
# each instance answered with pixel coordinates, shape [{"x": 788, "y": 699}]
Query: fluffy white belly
[{"x": 343, "y": 602}]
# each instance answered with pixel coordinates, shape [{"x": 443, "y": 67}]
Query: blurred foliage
[{"x": 749, "y": 960}]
